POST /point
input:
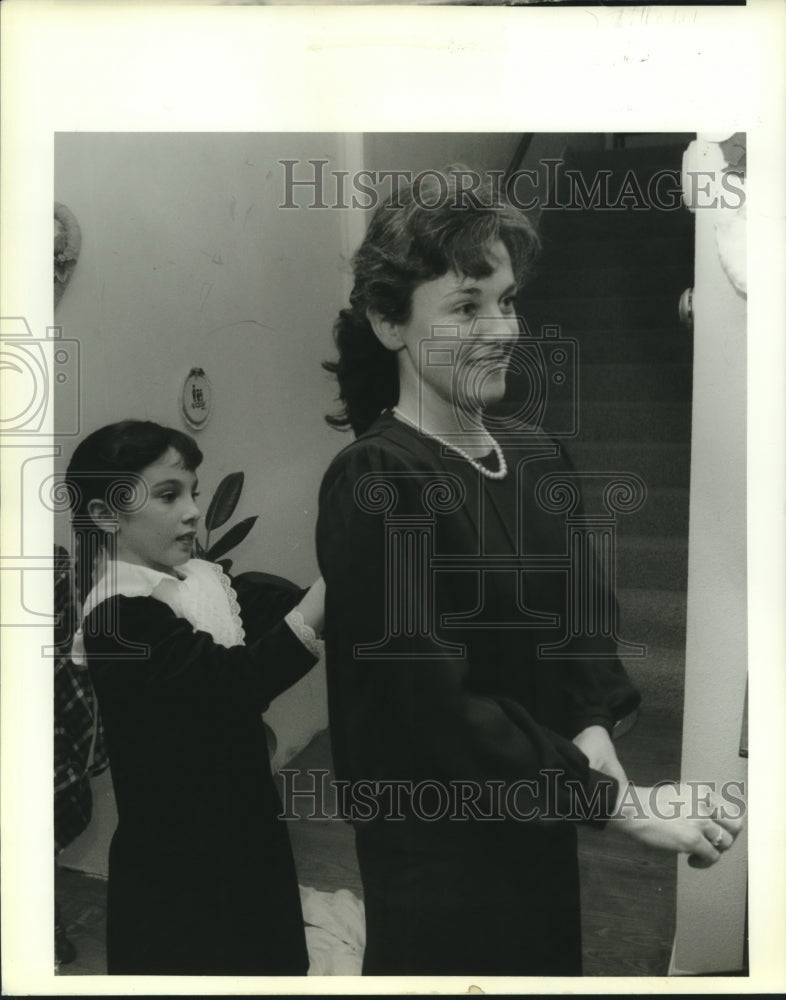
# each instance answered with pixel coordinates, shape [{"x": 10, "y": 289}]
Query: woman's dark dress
[
  {"x": 201, "y": 875},
  {"x": 460, "y": 896}
]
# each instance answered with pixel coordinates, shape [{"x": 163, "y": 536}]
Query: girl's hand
[
  {"x": 312, "y": 607},
  {"x": 675, "y": 818},
  {"x": 595, "y": 743}
]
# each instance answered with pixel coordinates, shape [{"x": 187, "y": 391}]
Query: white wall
[
  {"x": 711, "y": 903},
  {"x": 187, "y": 261},
  {"x": 418, "y": 151}
]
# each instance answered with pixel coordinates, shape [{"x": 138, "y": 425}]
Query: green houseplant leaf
[
  {"x": 224, "y": 501},
  {"x": 220, "y": 509},
  {"x": 231, "y": 538}
]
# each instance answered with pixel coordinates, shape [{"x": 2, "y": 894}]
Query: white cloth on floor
[{"x": 335, "y": 931}]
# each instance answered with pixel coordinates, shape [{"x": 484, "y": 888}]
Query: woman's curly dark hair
[{"x": 408, "y": 242}]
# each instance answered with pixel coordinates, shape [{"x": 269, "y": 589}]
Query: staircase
[{"x": 612, "y": 279}]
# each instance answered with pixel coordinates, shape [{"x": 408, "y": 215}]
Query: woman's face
[{"x": 460, "y": 335}]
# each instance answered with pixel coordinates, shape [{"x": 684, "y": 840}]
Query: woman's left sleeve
[{"x": 595, "y": 690}]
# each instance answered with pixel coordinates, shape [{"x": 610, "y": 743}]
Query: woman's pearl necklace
[{"x": 501, "y": 472}]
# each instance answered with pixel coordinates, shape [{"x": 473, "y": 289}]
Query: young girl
[{"x": 201, "y": 874}]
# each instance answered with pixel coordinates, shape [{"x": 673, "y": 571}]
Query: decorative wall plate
[
  {"x": 197, "y": 399},
  {"x": 68, "y": 242}
]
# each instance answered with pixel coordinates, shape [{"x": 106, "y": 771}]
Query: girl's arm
[
  {"x": 265, "y": 599},
  {"x": 312, "y": 607},
  {"x": 176, "y": 660}
]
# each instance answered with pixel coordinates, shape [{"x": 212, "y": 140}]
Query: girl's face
[
  {"x": 161, "y": 534},
  {"x": 460, "y": 335}
]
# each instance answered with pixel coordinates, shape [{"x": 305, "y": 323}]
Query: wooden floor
[
  {"x": 82, "y": 900},
  {"x": 628, "y": 892}
]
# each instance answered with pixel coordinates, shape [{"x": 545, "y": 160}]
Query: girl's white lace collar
[{"x": 201, "y": 593}]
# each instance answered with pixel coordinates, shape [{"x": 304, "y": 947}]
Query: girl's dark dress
[
  {"x": 201, "y": 875},
  {"x": 463, "y": 895}
]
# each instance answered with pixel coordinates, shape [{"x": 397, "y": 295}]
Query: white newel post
[{"x": 711, "y": 904}]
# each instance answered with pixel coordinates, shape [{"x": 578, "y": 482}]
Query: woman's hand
[
  {"x": 595, "y": 743},
  {"x": 675, "y": 818},
  {"x": 312, "y": 607}
]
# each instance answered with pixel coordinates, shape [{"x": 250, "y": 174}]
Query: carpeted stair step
[
  {"x": 662, "y": 155},
  {"x": 615, "y": 188},
  {"x": 616, "y": 224},
  {"x": 653, "y": 617},
  {"x": 585, "y": 313},
  {"x": 659, "y": 464},
  {"x": 586, "y": 409},
  {"x": 641, "y": 383},
  {"x": 664, "y": 511},
  {"x": 613, "y": 167},
  {"x": 649, "y": 562},
  {"x": 629, "y": 421},
  {"x": 653, "y": 252},
  {"x": 595, "y": 281},
  {"x": 633, "y": 346}
]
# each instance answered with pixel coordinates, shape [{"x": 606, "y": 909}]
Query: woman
[{"x": 475, "y": 749}]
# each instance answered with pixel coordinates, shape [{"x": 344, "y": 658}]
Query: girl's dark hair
[
  {"x": 420, "y": 233},
  {"x": 103, "y": 467}
]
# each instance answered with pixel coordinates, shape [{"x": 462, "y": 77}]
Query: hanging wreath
[
  {"x": 721, "y": 158},
  {"x": 68, "y": 241},
  {"x": 731, "y": 231}
]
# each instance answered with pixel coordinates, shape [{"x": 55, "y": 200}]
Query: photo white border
[{"x": 109, "y": 66}]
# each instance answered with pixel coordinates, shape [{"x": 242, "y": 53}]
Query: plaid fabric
[{"x": 78, "y": 729}]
